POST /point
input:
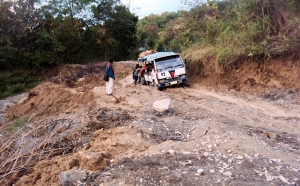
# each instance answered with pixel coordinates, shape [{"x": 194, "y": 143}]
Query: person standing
[
  {"x": 111, "y": 77},
  {"x": 141, "y": 74},
  {"x": 136, "y": 72}
]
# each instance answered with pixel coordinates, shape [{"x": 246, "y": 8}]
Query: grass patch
[
  {"x": 16, "y": 82},
  {"x": 18, "y": 123}
]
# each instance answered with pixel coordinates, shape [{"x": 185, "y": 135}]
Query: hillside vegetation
[
  {"x": 37, "y": 36},
  {"x": 228, "y": 31}
]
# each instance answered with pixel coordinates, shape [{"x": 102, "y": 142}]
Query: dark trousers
[{"x": 136, "y": 79}]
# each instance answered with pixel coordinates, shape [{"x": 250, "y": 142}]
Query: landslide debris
[{"x": 209, "y": 135}]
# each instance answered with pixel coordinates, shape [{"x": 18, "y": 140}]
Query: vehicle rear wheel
[{"x": 154, "y": 84}]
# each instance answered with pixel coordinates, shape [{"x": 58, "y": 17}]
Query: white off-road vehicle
[{"x": 164, "y": 69}]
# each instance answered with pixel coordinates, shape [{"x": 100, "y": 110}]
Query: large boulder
[
  {"x": 70, "y": 176},
  {"x": 161, "y": 105}
]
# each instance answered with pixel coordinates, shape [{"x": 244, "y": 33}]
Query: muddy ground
[{"x": 221, "y": 134}]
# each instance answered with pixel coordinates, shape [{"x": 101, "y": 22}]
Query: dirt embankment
[
  {"x": 249, "y": 76},
  {"x": 235, "y": 128}
]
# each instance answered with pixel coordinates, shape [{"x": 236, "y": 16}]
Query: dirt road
[
  {"x": 207, "y": 137},
  {"x": 212, "y": 138}
]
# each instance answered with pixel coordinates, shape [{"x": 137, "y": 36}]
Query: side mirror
[{"x": 185, "y": 61}]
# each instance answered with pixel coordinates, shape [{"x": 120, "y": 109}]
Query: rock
[
  {"x": 81, "y": 79},
  {"x": 258, "y": 172},
  {"x": 239, "y": 157},
  {"x": 200, "y": 171},
  {"x": 171, "y": 152},
  {"x": 161, "y": 105},
  {"x": 247, "y": 156},
  {"x": 186, "y": 163},
  {"x": 177, "y": 132},
  {"x": 186, "y": 152},
  {"x": 22, "y": 100},
  {"x": 268, "y": 176},
  {"x": 225, "y": 165},
  {"x": 71, "y": 176},
  {"x": 228, "y": 173},
  {"x": 283, "y": 179}
]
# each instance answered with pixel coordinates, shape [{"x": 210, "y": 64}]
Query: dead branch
[
  {"x": 265, "y": 22},
  {"x": 27, "y": 134},
  {"x": 16, "y": 158}
]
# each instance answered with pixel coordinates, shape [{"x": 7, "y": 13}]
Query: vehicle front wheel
[{"x": 156, "y": 86}]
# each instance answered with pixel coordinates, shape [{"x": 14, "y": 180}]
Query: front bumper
[{"x": 172, "y": 82}]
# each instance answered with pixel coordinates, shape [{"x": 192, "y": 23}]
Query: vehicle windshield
[{"x": 170, "y": 62}]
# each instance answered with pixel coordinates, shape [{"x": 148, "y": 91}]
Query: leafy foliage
[
  {"x": 15, "y": 83},
  {"x": 229, "y": 31},
  {"x": 125, "y": 41},
  {"x": 157, "y": 32},
  {"x": 117, "y": 29},
  {"x": 60, "y": 32}
]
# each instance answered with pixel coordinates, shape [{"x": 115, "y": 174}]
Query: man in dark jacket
[{"x": 110, "y": 71}]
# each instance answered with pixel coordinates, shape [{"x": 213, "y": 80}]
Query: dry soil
[{"x": 212, "y": 134}]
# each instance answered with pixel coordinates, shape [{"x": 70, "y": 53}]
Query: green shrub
[
  {"x": 17, "y": 82},
  {"x": 239, "y": 30},
  {"x": 225, "y": 54}
]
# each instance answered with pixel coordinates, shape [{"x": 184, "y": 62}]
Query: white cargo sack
[{"x": 161, "y": 105}]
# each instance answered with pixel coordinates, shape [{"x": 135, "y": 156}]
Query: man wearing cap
[{"x": 110, "y": 71}]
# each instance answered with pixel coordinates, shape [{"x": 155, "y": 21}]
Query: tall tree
[
  {"x": 7, "y": 49},
  {"x": 18, "y": 27},
  {"x": 70, "y": 12},
  {"x": 103, "y": 12},
  {"x": 123, "y": 29}
]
